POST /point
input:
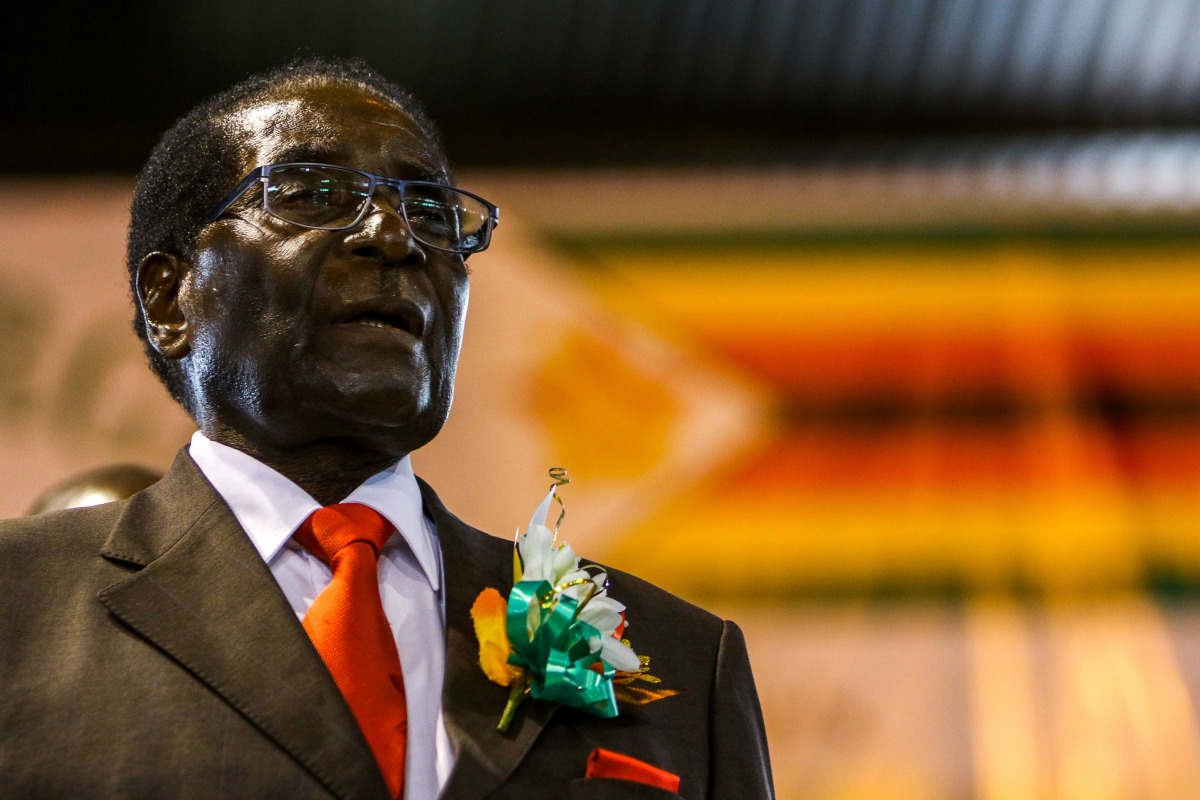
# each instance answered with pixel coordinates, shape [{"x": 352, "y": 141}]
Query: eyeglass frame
[{"x": 261, "y": 174}]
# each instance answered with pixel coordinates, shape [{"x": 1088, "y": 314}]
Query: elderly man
[{"x": 287, "y": 613}]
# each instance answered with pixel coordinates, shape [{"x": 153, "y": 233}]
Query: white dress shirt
[{"x": 270, "y": 508}]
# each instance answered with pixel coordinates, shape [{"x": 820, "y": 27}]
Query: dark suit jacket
[{"x": 146, "y": 651}]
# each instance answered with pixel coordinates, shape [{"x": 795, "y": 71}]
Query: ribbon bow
[{"x": 558, "y": 655}]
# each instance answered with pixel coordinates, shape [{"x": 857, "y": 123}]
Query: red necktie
[{"x": 347, "y": 625}]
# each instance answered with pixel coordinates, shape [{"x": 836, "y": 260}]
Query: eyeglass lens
[{"x": 328, "y": 197}]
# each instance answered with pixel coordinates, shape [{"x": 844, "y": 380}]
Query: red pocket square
[{"x": 607, "y": 764}]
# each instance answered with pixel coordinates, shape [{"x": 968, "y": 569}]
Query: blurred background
[{"x": 871, "y": 324}]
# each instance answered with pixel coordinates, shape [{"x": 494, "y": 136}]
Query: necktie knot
[{"x": 327, "y": 530}]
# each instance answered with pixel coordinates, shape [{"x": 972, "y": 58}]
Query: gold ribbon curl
[{"x": 559, "y": 476}]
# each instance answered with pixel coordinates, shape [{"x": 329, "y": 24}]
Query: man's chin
[{"x": 398, "y": 417}]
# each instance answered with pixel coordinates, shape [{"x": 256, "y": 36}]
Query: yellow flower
[{"x": 488, "y": 613}]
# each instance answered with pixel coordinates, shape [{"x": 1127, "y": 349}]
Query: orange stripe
[
  {"x": 805, "y": 365},
  {"x": 929, "y": 459},
  {"x": 1165, "y": 455},
  {"x": 932, "y": 459}
]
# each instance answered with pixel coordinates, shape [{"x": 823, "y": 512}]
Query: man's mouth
[
  {"x": 388, "y": 315},
  {"x": 372, "y": 319}
]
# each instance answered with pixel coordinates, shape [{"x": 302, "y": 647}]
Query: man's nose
[{"x": 384, "y": 237}]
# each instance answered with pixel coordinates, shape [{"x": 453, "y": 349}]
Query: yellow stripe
[
  {"x": 861, "y": 288},
  {"x": 1081, "y": 538}
]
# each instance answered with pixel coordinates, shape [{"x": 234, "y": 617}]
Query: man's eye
[
  {"x": 428, "y": 211},
  {"x": 432, "y": 216},
  {"x": 318, "y": 195}
]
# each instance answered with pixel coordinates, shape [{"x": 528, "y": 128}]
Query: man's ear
[{"x": 159, "y": 280}]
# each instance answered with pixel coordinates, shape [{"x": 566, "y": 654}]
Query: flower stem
[{"x": 515, "y": 695}]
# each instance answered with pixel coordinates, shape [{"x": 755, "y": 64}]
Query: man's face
[{"x": 298, "y": 336}]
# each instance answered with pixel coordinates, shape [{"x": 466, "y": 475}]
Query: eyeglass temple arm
[{"x": 237, "y": 192}]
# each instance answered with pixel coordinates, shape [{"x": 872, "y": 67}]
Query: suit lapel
[
  {"x": 205, "y": 598},
  {"x": 484, "y": 757}
]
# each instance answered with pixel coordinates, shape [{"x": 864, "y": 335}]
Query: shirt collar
[{"x": 270, "y": 507}]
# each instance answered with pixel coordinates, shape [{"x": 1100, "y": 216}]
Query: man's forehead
[{"x": 334, "y": 122}]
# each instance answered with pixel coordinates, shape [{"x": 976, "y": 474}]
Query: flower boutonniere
[{"x": 558, "y": 636}]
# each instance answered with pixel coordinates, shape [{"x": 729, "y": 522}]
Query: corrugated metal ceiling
[{"x": 600, "y": 80}]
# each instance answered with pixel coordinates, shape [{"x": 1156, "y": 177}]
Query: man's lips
[{"x": 391, "y": 314}]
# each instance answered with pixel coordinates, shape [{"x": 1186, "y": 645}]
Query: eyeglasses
[{"x": 332, "y": 198}]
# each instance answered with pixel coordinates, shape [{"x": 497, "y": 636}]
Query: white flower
[
  {"x": 537, "y": 554},
  {"x": 542, "y": 561},
  {"x": 563, "y": 564}
]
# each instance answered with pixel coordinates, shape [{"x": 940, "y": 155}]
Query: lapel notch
[{"x": 207, "y": 600}]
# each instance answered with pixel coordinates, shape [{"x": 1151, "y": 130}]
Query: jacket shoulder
[
  {"x": 52, "y": 561},
  {"x": 642, "y": 595},
  {"x": 58, "y": 534}
]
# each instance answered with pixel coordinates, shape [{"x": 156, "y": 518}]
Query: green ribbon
[{"x": 557, "y": 656}]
